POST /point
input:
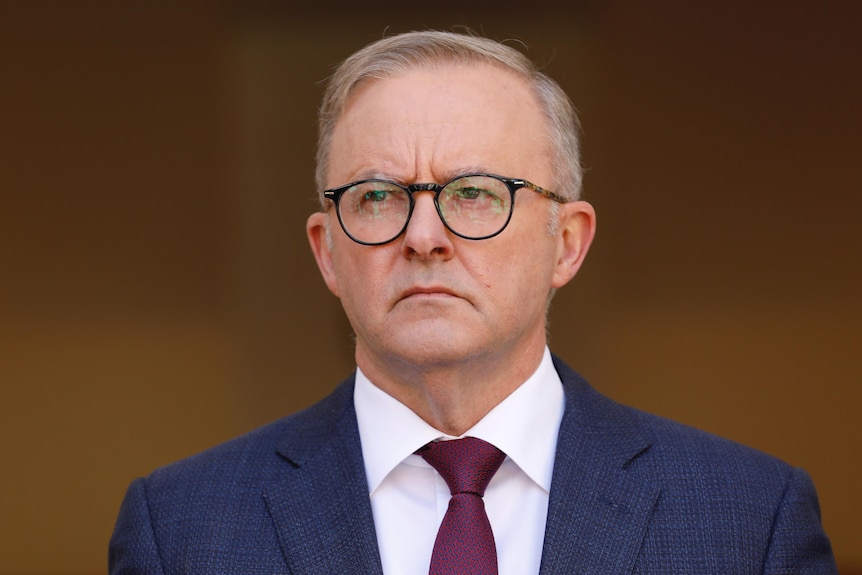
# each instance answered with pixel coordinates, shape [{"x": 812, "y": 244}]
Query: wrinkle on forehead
[{"x": 433, "y": 124}]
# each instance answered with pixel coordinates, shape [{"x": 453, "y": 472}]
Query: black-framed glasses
[{"x": 474, "y": 206}]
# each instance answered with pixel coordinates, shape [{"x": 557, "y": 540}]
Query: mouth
[{"x": 428, "y": 292}]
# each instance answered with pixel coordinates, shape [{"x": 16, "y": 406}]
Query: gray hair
[{"x": 395, "y": 55}]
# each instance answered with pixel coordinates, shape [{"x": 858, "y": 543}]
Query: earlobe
[
  {"x": 317, "y": 229},
  {"x": 577, "y": 227}
]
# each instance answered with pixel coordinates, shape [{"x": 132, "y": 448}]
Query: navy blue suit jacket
[{"x": 631, "y": 493}]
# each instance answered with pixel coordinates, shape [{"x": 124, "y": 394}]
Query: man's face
[{"x": 430, "y": 298}]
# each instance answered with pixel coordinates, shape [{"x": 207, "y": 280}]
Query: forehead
[{"x": 439, "y": 120}]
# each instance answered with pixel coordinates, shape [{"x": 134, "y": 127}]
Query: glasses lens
[
  {"x": 476, "y": 206},
  {"x": 374, "y": 211}
]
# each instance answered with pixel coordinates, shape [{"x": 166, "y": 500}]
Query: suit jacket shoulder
[
  {"x": 290, "y": 493},
  {"x": 634, "y": 492},
  {"x": 631, "y": 493}
]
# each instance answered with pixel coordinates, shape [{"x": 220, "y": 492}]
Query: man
[{"x": 451, "y": 176}]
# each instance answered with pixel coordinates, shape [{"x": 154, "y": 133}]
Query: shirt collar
[{"x": 524, "y": 426}]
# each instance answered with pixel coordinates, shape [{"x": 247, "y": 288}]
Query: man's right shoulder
[{"x": 260, "y": 453}]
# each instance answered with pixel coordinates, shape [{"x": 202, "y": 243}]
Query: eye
[
  {"x": 376, "y": 199},
  {"x": 468, "y": 192},
  {"x": 477, "y": 191},
  {"x": 376, "y": 195}
]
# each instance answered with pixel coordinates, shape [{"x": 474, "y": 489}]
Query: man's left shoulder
[
  {"x": 669, "y": 450},
  {"x": 681, "y": 449},
  {"x": 743, "y": 510}
]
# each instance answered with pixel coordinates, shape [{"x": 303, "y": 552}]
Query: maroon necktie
[{"x": 465, "y": 542}]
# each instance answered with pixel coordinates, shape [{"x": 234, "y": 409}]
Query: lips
[
  {"x": 428, "y": 291},
  {"x": 433, "y": 290}
]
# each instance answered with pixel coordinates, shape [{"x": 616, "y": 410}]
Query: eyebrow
[
  {"x": 371, "y": 175},
  {"x": 466, "y": 171},
  {"x": 448, "y": 175}
]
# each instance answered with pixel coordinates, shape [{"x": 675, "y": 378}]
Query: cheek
[
  {"x": 483, "y": 274},
  {"x": 509, "y": 279},
  {"x": 360, "y": 273},
  {"x": 531, "y": 273},
  {"x": 345, "y": 265}
]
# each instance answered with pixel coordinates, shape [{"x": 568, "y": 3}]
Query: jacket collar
[
  {"x": 597, "y": 516},
  {"x": 598, "y": 512},
  {"x": 321, "y": 507}
]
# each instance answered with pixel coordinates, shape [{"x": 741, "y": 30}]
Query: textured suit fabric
[{"x": 632, "y": 493}]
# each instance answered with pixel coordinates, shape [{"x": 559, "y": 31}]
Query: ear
[
  {"x": 316, "y": 227},
  {"x": 575, "y": 231}
]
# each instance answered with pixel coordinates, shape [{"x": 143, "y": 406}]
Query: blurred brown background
[{"x": 157, "y": 295}]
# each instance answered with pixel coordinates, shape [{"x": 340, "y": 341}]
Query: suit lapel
[
  {"x": 597, "y": 516},
  {"x": 598, "y": 512},
  {"x": 320, "y": 507}
]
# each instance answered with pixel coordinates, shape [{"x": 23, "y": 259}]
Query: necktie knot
[{"x": 467, "y": 464}]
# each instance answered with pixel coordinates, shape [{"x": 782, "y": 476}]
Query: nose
[{"x": 426, "y": 237}]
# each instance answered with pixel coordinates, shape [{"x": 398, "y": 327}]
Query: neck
[{"x": 452, "y": 397}]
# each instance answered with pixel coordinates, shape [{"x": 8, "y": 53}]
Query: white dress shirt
[{"x": 409, "y": 498}]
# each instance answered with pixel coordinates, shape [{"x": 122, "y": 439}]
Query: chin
[{"x": 432, "y": 347}]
